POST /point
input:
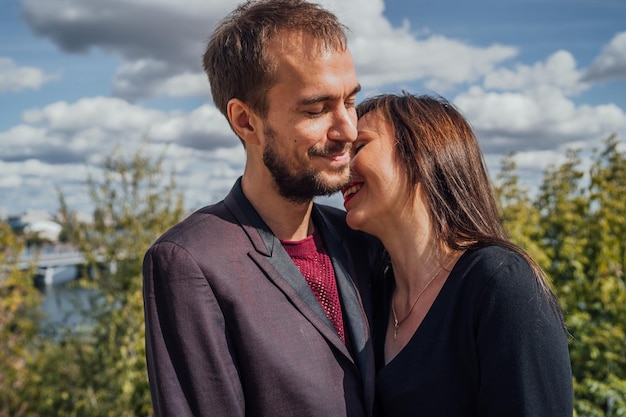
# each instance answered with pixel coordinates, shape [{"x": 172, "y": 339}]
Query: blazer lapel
[
  {"x": 278, "y": 266},
  {"x": 354, "y": 319}
]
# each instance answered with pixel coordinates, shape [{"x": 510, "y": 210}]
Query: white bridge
[{"x": 54, "y": 266}]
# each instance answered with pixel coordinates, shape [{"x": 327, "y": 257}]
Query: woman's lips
[{"x": 350, "y": 191}]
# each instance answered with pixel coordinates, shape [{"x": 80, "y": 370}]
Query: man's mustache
[{"x": 334, "y": 148}]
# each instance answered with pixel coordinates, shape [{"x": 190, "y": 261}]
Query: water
[{"x": 64, "y": 305}]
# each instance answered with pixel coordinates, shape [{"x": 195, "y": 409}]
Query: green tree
[
  {"x": 599, "y": 353},
  {"x": 607, "y": 249},
  {"x": 564, "y": 206},
  {"x": 99, "y": 369},
  {"x": 19, "y": 307},
  {"x": 580, "y": 241},
  {"x": 520, "y": 217}
]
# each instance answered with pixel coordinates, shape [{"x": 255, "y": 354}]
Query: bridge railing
[{"x": 50, "y": 257}]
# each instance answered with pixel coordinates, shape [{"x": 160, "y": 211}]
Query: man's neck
[{"x": 287, "y": 220}]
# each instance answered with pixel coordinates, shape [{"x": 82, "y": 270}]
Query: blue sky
[{"x": 78, "y": 78}]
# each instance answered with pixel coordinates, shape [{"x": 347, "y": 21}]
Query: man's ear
[{"x": 243, "y": 121}]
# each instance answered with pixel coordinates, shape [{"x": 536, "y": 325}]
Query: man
[{"x": 258, "y": 305}]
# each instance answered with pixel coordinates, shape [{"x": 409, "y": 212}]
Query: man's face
[{"x": 311, "y": 119}]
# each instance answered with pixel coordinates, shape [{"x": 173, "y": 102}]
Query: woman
[{"x": 468, "y": 325}]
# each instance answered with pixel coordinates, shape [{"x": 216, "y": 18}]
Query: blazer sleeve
[
  {"x": 191, "y": 366},
  {"x": 522, "y": 346}
]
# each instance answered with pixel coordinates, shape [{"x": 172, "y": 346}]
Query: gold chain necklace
[{"x": 396, "y": 323}]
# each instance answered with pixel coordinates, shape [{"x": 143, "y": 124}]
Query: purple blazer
[{"x": 233, "y": 329}]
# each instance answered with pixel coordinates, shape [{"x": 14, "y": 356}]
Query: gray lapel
[{"x": 355, "y": 321}]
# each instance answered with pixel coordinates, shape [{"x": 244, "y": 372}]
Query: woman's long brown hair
[{"x": 437, "y": 148}]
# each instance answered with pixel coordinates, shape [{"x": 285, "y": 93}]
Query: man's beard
[{"x": 302, "y": 185}]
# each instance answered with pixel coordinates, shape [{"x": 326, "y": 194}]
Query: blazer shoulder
[{"x": 205, "y": 222}]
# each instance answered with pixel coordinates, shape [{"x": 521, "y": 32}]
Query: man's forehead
[
  {"x": 308, "y": 70},
  {"x": 301, "y": 44}
]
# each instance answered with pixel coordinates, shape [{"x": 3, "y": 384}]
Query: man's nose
[{"x": 344, "y": 126}]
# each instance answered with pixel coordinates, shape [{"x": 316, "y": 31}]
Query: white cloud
[
  {"x": 185, "y": 85},
  {"x": 54, "y": 146},
  {"x": 65, "y": 131},
  {"x": 611, "y": 63},
  {"x": 15, "y": 78},
  {"x": 148, "y": 78},
  {"x": 34, "y": 184},
  {"x": 203, "y": 128},
  {"x": 7, "y": 180},
  {"x": 539, "y": 118},
  {"x": 160, "y": 42},
  {"x": 399, "y": 57},
  {"x": 112, "y": 114},
  {"x": 384, "y": 54},
  {"x": 559, "y": 70}
]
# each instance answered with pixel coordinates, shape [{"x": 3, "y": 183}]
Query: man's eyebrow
[
  {"x": 314, "y": 100},
  {"x": 321, "y": 99}
]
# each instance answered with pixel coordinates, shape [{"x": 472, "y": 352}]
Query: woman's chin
[{"x": 354, "y": 220}]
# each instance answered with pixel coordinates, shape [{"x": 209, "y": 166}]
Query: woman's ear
[{"x": 243, "y": 121}]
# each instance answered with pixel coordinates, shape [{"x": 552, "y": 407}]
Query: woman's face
[{"x": 377, "y": 193}]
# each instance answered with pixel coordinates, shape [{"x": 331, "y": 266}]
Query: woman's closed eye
[{"x": 356, "y": 147}]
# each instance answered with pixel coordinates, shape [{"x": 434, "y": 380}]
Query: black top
[{"x": 490, "y": 345}]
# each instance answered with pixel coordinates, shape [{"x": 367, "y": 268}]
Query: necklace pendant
[{"x": 396, "y": 322}]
